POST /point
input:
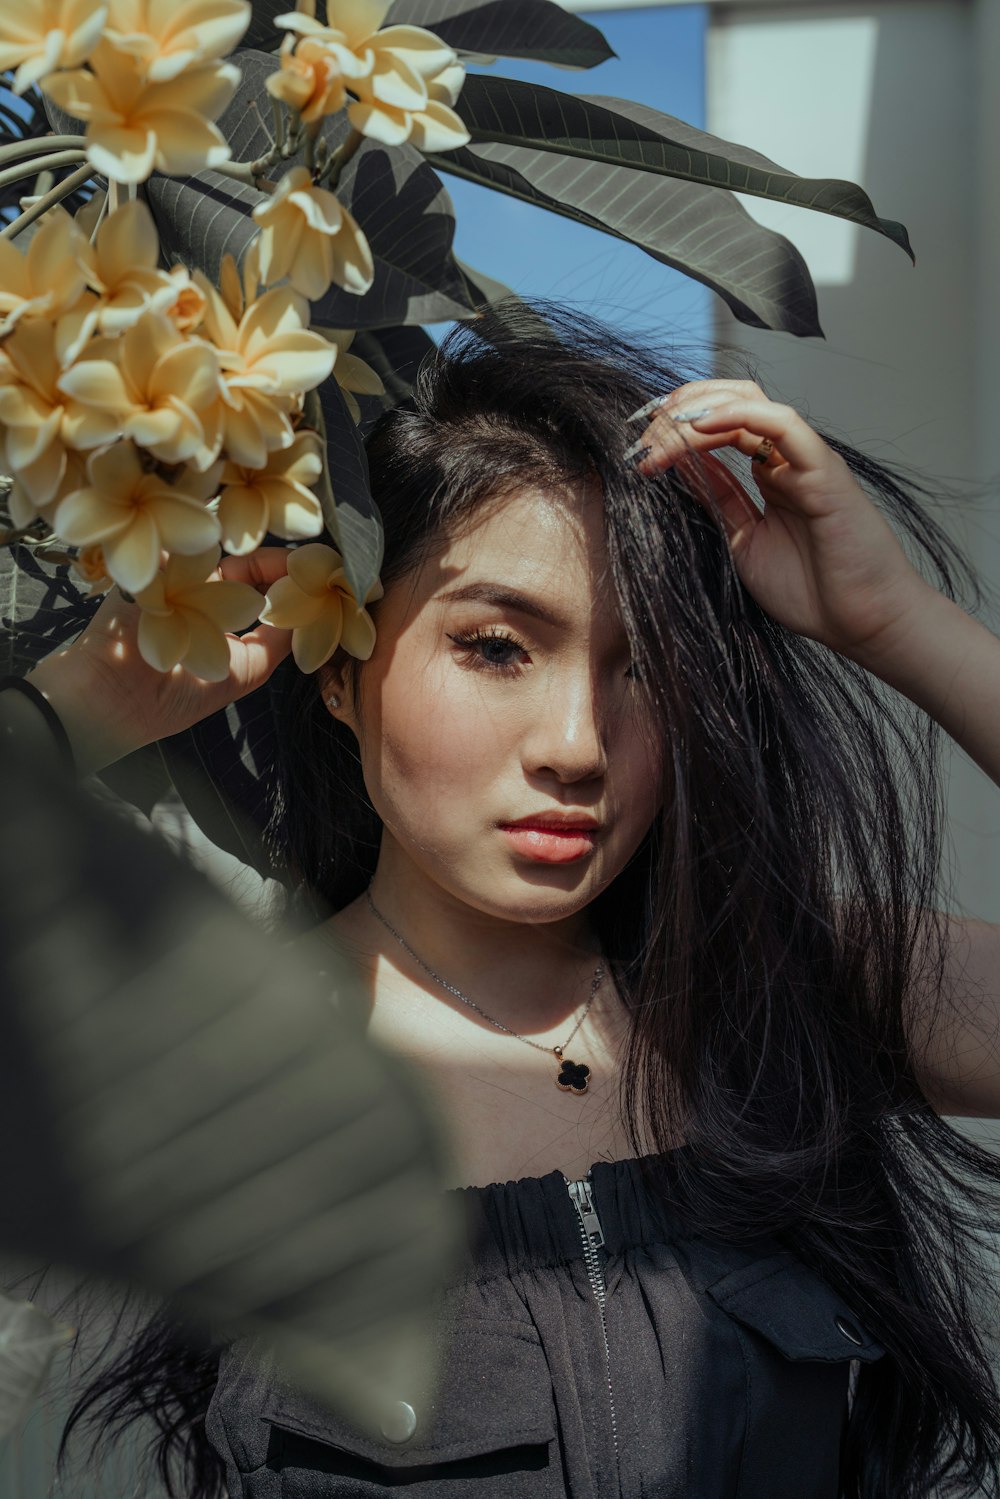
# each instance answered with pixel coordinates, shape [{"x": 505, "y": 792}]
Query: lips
[
  {"x": 551, "y": 839},
  {"x": 553, "y": 822}
]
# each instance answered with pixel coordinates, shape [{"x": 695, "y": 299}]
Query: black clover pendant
[{"x": 573, "y": 1077}]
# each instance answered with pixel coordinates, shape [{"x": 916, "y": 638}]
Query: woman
[{"x": 637, "y": 861}]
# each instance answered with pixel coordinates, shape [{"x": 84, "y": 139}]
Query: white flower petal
[
  {"x": 163, "y": 639},
  {"x": 312, "y": 566},
  {"x": 315, "y": 643},
  {"x": 207, "y": 654},
  {"x": 133, "y": 554},
  {"x": 243, "y": 516}
]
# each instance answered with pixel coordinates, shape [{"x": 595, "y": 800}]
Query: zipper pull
[{"x": 582, "y": 1196}]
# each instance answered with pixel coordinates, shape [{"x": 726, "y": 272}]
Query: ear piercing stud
[{"x": 332, "y": 700}]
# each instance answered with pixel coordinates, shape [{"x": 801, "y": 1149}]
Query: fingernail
[
  {"x": 649, "y": 407},
  {"x": 637, "y": 451},
  {"x": 689, "y": 416}
]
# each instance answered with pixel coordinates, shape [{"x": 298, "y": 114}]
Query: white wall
[{"x": 896, "y": 95}]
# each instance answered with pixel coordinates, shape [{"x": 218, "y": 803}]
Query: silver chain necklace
[{"x": 573, "y": 1077}]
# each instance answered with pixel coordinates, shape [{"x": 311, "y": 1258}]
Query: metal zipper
[{"x": 592, "y": 1235}]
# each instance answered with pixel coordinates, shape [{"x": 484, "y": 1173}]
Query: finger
[
  {"x": 798, "y": 444},
  {"x": 254, "y": 656},
  {"x": 719, "y": 490},
  {"x": 692, "y": 391},
  {"x": 260, "y": 568}
]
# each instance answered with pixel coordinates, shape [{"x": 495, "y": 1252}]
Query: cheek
[{"x": 435, "y": 748}]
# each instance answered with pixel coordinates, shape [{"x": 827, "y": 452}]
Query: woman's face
[{"x": 499, "y": 692}]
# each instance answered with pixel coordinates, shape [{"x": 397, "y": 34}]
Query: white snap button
[
  {"x": 399, "y": 1422},
  {"x": 849, "y": 1330}
]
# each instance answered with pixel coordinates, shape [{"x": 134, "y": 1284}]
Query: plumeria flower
[
  {"x": 166, "y": 37},
  {"x": 92, "y": 569},
  {"x": 135, "y": 126},
  {"x": 185, "y": 616},
  {"x": 315, "y": 601},
  {"x": 41, "y": 35},
  {"x": 268, "y": 357},
  {"x": 134, "y": 515},
  {"x": 275, "y": 498},
  {"x": 404, "y": 78},
  {"x": 47, "y": 280},
  {"x": 154, "y": 382},
  {"x": 122, "y": 266},
  {"x": 351, "y": 373},
  {"x": 309, "y": 81},
  {"x": 309, "y": 236},
  {"x": 38, "y": 422},
  {"x": 187, "y": 310}
]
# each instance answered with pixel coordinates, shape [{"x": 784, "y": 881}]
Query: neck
[{"x": 530, "y": 974}]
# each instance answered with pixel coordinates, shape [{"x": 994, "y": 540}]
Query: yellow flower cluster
[
  {"x": 148, "y": 416},
  {"x": 146, "y": 76},
  {"x": 398, "y": 83}
]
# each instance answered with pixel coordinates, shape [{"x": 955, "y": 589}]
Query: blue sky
[{"x": 661, "y": 62}]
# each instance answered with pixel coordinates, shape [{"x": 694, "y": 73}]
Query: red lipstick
[{"x": 552, "y": 837}]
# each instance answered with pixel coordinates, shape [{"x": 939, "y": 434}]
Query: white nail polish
[
  {"x": 689, "y": 416},
  {"x": 649, "y": 407}
]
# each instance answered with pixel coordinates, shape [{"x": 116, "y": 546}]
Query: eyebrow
[{"x": 502, "y": 598}]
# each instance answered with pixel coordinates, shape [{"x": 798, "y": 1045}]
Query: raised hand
[
  {"x": 820, "y": 559},
  {"x": 112, "y": 702}
]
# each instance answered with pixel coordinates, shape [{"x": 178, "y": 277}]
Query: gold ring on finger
[{"x": 764, "y": 452}]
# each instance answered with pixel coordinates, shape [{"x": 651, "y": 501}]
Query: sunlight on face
[{"x": 500, "y": 690}]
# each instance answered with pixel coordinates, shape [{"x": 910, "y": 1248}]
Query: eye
[{"x": 492, "y": 650}]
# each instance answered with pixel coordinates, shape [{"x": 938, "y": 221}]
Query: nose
[{"x": 567, "y": 738}]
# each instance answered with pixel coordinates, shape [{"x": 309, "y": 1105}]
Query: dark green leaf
[
  {"x": 353, "y": 521},
  {"x": 395, "y": 354},
  {"x": 41, "y": 608},
  {"x": 537, "y": 29},
  {"x": 223, "y": 771},
  {"x": 176, "y": 1086},
  {"x": 623, "y": 133},
  {"x": 708, "y": 235}
]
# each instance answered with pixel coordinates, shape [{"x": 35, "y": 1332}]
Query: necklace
[{"x": 573, "y": 1077}]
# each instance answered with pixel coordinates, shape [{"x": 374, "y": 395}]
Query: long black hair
[{"x": 772, "y": 932}]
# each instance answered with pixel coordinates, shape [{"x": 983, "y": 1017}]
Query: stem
[
  {"x": 42, "y": 143},
  {"x": 63, "y": 190},
  {"x": 41, "y": 164},
  {"x": 100, "y": 217},
  {"x": 341, "y": 157},
  {"x": 280, "y": 122},
  {"x": 248, "y": 172}
]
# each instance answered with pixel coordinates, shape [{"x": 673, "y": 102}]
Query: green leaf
[
  {"x": 223, "y": 770},
  {"x": 28, "y": 1343},
  {"x": 395, "y": 354},
  {"x": 706, "y": 234},
  {"x": 537, "y": 29},
  {"x": 400, "y": 203},
  {"x": 623, "y": 133},
  {"x": 41, "y": 608},
  {"x": 350, "y": 513},
  {"x": 192, "y": 1106}
]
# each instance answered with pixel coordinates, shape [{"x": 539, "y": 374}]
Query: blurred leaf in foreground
[{"x": 193, "y": 1107}]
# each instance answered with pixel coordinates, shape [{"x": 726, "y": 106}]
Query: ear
[{"x": 336, "y": 684}]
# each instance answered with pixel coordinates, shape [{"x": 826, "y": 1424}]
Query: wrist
[{"x": 94, "y": 739}]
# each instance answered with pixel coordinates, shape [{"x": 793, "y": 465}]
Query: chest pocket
[
  {"x": 795, "y": 1310},
  {"x": 493, "y": 1419},
  {"x": 798, "y": 1339}
]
